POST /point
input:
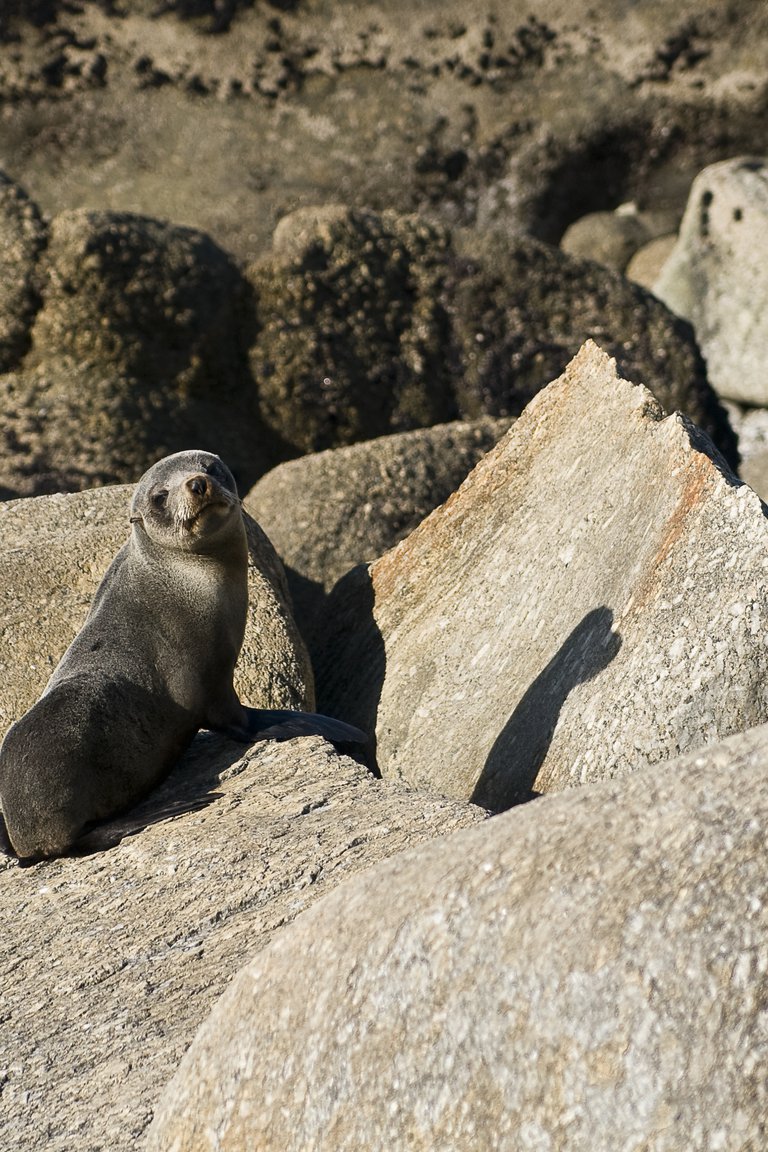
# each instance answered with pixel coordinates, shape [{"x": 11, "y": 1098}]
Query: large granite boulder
[
  {"x": 591, "y": 599},
  {"x": 717, "y": 275},
  {"x": 111, "y": 961},
  {"x": 586, "y": 972},
  {"x": 54, "y": 550},
  {"x": 328, "y": 511}
]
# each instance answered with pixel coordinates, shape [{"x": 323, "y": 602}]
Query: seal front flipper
[{"x": 283, "y": 724}]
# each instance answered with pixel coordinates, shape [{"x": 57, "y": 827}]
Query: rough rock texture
[
  {"x": 351, "y": 329},
  {"x": 522, "y": 309},
  {"x": 110, "y": 962},
  {"x": 328, "y": 511},
  {"x": 147, "y": 339},
  {"x": 137, "y": 349},
  {"x": 502, "y": 122},
  {"x": 752, "y": 425},
  {"x": 22, "y": 237},
  {"x": 492, "y": 116},
  {"x": 591, "y": 599},
  {"x": 372, "y": 323},
  {"x": 717, "y": 276},
  {"x": 584, "y": 974},
  {"x": 54, "y": 551}
]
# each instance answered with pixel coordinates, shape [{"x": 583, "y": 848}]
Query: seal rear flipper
[{"x": 283, "y": 724}]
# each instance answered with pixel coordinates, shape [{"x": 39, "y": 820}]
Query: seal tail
[{"x": 282, "y": 724}]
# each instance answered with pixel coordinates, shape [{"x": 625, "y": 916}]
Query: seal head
[{"x": 188, "y": 502}]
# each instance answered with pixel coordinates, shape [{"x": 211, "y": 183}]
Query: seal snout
[{"x": 198, "y": 485}]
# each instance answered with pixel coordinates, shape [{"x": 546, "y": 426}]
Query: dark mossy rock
[
  {"x": 522, "y": 309},
  {"x": 138, "y": 350},
  {"x": 128, "y": 338},
  {"x": 23, "y": 236},
  {"x": 369, "y": 324},
  {"x": 352, "y": 328}
]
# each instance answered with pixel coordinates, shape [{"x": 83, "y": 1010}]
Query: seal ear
[{"x": 135, "y": 520}]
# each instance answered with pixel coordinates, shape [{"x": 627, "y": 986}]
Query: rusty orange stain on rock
[{"x": 698, "y": 479}]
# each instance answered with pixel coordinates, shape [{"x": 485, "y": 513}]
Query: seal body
[{"x": 152, "y": 664}]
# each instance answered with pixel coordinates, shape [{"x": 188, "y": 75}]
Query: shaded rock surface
[
  {"x": 145, "y": 338},
  {"x": 137, "y": 350},
  {"x": 646, "y": 265},
  {"x": 329, "y": 511},
  {"x": 585, "y": 973},
  {"x": 351, "y": 327},
  {"x": 109, "y": 962},
  {"x": 591, "y": 599},
  {"x": 717, "y": 275},
  {"x": 23, "y": 236},
  {"x": 54, "y": 551},
  {"x": 610, "y": 238},
  {"x": 523, "y": 309},
  {"x": 752, "y": 425},
  {"x": 369, "y": 323}
]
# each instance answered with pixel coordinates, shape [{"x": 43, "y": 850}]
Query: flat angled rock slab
[
  {"x": 586, "y": 973},
  {"x": 110, "y": 962},
  {"x": 593, "y": 598},
  {"x": 54, "y": 551}
]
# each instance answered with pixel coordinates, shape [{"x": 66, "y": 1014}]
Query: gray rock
[
  {"x": 751, "y": 424},
  {"x": 592, "y": 598},
  {"x": 717, "y": 276},
  {"x": 54, "y": 551},
  {"x": 584, "y": 974},
  {"x": 109, "y": 962},
  {"x": 351, "y": 330},
  {"x": 610, "y": 238},
  {"x": 352, "y": 504},
  {"x": 523, "y": 309},
  {"x": 647, "y": 263},
  {"x": 22, "y": 238}
]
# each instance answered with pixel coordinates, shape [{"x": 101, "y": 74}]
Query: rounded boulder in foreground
[{"x": 585, "y": 973}]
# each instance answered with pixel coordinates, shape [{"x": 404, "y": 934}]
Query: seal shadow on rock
[{"x": 513, "y": 763}]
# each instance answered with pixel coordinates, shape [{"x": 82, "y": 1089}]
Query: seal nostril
[{"x": 198, "y": 485}]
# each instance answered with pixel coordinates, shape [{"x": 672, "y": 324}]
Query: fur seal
[{"x": 152, "y": 664}]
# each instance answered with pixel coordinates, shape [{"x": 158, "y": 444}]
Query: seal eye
[{"x": 160, "y": 499}]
